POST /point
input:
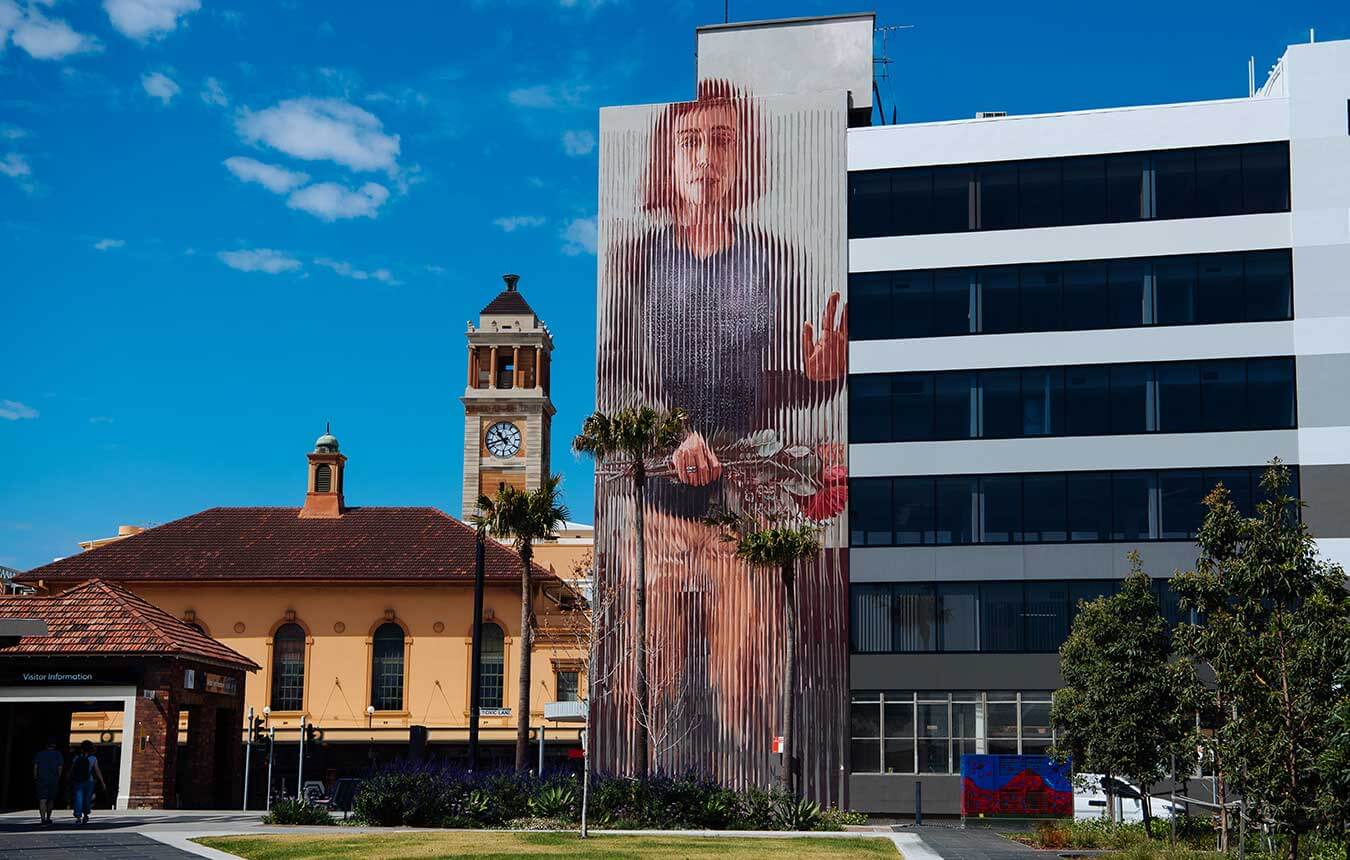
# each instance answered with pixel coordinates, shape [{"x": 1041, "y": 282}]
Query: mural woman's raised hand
[{"x": 827, "y": 358}]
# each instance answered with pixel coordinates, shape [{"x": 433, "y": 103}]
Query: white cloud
[
  {"x": 579, "y": 236},
  {"x": 108, "y": 244},
  {"x": 577, "y": 143},
  {"x": 13, "y": 410},
  {"x": 160, "y": 86},
  {"x": 548, "y": 95},
  {"x": 323, "y": 129},
  {"x": 330, "y": 201},
  {"x": 347, "y": 270},
  {"x": 43, "y": 38},
  {"x": 147, "y": 19},
  {"x": 15, "y": 166},
  {"x": 512, "y": 223},
  {"x": 275, "y": 179},
  {"x": 259, "y": 260},
  {"x": 214, "y": 94},
  {"x": 13, "y": 132}
]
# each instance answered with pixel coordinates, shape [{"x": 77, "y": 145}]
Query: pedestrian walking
[
  {"x": 84, "y": 772},
  {"x": 47, "y": 767}
]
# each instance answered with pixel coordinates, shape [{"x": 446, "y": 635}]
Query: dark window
[
  {"x": 1001, "y": 509},
  {"x": 1169, "y": 603},
  {"x": 912, "y": 297},
  {"x": 1174, "y": 288},
  {"x": 1039, "y": 190},
  {"x": 870, "y": 618},
  {"x": 869, "y": 204},
  {"x": 1180, "y": 409},
  {"x": 1047, "y": 615},
  {"x": 998, "y": 196},
  {"x": 1044, "y": 514},
  {"x": 1089, "y": 501},
  {"x": 1265, "y": 177},
  {"x": 1087, "y": 590},
  {"x": 951, "y": 200},
  {"x": 1042, "y": 302},
  {"x": 1130, "y": 401},
  {"x": 1087, "y": 300},
  {"x": 959, "y": 616},
  {"x": 913, "y": 511},
  {"x": 1132, "y": 506},
  {"x": 870, "y": 511},
  {"x": 1223, "y": 385},
  {"x": 1129, "y": 307},
  {"x": 954, "y": 517},
  {"x": 1001, "y": 403},
  {"x": 1270, "y": 393},
  {"x": 912, "y": 200},
  {"x": 914, "y": 617},
  {"x": 999, "y": 300},
  {"x": 1238, "y": 483},
  {"x": 493, "y": 666},
  {"x": 288, "y": 668},
  {"x": 912, "y": 407},
  {"x": 1043, "y": 401},
  {"x": 1219, "y": 289},
  {"x": 869, "y": 408},
  {"x": 1001, "y": 616},
  {"x": 386, "y": 668},
  {"x": 1174, "y": 184},
  {"x": 1125, "y": 188},
  {"x": 1269, "y": 285},
  {"x": 1084, "y": 184},
  {"x": 953, "y": 394},
  {"x": 568, "y": 686},
  {"x": 952, "y": 294},
  {"x": 869, "y": 296},
  {"x": 1087, "y": 407},
  {"x": 1179, "y": 496},
  {"x": 1218, "y": 181}
]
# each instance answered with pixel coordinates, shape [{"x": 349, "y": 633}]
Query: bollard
[{"x": 918, "y": 802}]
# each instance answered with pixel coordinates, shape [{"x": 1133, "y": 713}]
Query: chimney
[
  {"x": 323, "y": 500},
  {"x": 511, "y": 281}
]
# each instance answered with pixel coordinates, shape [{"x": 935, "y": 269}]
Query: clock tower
[{"x": 507, "y": 410}]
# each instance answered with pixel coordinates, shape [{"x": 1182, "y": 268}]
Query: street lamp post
[{"x": 476, "y": 658}]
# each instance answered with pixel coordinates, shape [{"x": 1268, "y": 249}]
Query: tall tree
[
  {"x": 523, "y": 517},
  {"x": 626, "y": 440},
  {"x": 1124, "y": 711},
  {"x": 1273, "y": 630},
  {"x": 780, "y": 548}
]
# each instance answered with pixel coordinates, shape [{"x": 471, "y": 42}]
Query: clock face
[{"x": 503, "y": 439}]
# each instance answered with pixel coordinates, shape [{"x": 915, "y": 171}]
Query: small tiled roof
[
  {"x": 99, "y": 619},
  {"x": 275, "y": 544},
  {"x": 509, "y": 302}
]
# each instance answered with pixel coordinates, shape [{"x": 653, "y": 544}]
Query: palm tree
[
  {"x": 781, "y": 548},
  {"x": 523, "y": 517},
  {"x": 628, "y": 438}
]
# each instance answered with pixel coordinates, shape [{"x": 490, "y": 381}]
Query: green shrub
[
  {"x": 836, "y": 819},
  {"x": 557, "y": 802},
  {"x": 794, "y": 814},
  {"x": 293, "y": 811}
]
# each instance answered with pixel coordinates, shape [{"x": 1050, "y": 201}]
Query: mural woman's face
[{"x": 707, "y": 159}]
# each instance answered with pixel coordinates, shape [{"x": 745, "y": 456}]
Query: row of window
[
  {"x": 1136, "y": 505},
  {"x": 1076, "y": 400},
  {"x": 1192, "y": 289},
  {"x": 388, "y": 672},
  {"x": 995, "y": 617},
  {"x": 928, "y": 731},
  {"x": 1093, "y": 189}
]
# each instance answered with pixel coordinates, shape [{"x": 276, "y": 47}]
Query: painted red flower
[{"x": 830, "y": 499}]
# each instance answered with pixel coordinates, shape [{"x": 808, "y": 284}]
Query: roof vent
[
  {"x": 990, "y": 114},
  {"x": 511, "y": 281}
]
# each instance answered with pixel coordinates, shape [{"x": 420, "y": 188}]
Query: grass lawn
[{"x": 504, "y": 846}]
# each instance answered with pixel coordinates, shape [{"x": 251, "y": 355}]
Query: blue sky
[{"x": 227, "y": 222}]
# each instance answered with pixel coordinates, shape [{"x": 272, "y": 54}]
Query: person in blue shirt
[
  {"x": 47, "y": 767},
  {"x": 83, "y": 772}
]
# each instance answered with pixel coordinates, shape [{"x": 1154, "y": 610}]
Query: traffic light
[
  {"x": 258, "y": 729},
  {"x": 313, "y": 734},
  {"x": 262, "y": 742}
]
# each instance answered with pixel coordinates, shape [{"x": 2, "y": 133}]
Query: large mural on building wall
[{"x": 722, "y": 279}]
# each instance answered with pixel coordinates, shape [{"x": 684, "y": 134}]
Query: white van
[{"x": 1089, "y": 800}]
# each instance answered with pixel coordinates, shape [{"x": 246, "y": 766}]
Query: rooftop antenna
[
  {"x": 881, "y": 70},
  {"x": 1312, "y": 35},
  {"x": 1251, "y": 76}
]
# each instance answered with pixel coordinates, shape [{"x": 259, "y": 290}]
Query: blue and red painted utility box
[{"x": 1015, "y": 786}]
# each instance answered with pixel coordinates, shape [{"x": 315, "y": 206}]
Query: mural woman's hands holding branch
[
  {"x": 695, "y": 463},
  {"x": 827, "y": 358}
]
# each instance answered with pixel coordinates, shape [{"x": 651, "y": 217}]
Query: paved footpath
[{"x": 972, "y": 843}]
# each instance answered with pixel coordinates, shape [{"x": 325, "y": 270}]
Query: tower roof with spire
[{"x": 509, "y": 302}]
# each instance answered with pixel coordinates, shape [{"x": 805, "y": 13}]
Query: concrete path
[{"x": 971, "y": 843}]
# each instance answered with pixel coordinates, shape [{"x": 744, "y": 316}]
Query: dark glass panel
[
  {"x": 869, "y": 408},
  {"x": 1179, "y": 497},
  {"x": 1174, "y": 184},
  {"x": 870, "y": 620},
  {"x": 900, "y": 755},
  {"x": 1180, "y": 408},
  {"x": 953, "y": 414},
  {"x": 1081, "y": 590},
  {"x": 1087, "y": 407},
  {"x": 934, "y": 756},
  {"x": 1270, "y": 393},
  {"x": 869, "y": 297},
  {"x": 912, "y": 407},
  {"x": 913, "y": 617},
  {"x": 1219, "y": 290},
  {"x": 959, "y": 617},
  {"x": 865, "y": 756},
  {"x": 1043, "y": 401},
  {"x": 1087, "y": 300},
  {"x": 1269, "y": 285},
  {"x": 1035, "y": 725},
  {"x": 1125, "y": 188},
  {"x": 1044, "y": 512},
  {"x": 1129, "y": 307},
  {"x": 913, "y": 511},
  {"x": 1218, "y": 181},
  {"x": 1130, "y": 401},
  {"x": 1223, "y": 386},
  {"x": 932, "y": 718},
  {"x": 1084, "y": 184},
  {"x": 1238, "y": 483},
  {"x": 912, "y": 304},
  {"x": 1000, "y": 620},
  {"x": 1001, "y": 403},
  {"x": 869, "y": 512},
  {"x": 952, "y": 302},
  {"x": 1174, "y": 288},
  {"x": 1039, "y": 193},
  {"x": 951, "y": 200},
  {"x": 1042, "y": 302},
  {"x": 998, "y": 196},
  {"x": 1169, "y": 603},
  {"x": 999, "y": 300},
  {"x": 386, "y": 668},
  {"x": 869, "y": 204},
  {"x": 955, "y": 510},
  {"x": 1132, "y": 506},
  {"x": 1089, "y": 506},
  {"x": 1001, "y": 513},
  {"x": 1265, "y": 177},
  {"x": 1047, "y": 615},
  {"x": 912, "y": 201}
]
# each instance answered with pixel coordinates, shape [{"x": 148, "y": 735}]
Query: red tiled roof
[
  {"x": 99, "y": 619},
  {"x": 508, "y": 302},
  {"x": 275, "y": 544}
]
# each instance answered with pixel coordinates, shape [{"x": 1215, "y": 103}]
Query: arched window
[
  {"x": 323, "y": 478},
  {"x": 386, "y": 668},
  {"x": 288, "y": 668},
  {"x": 494, "y": 666}
]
